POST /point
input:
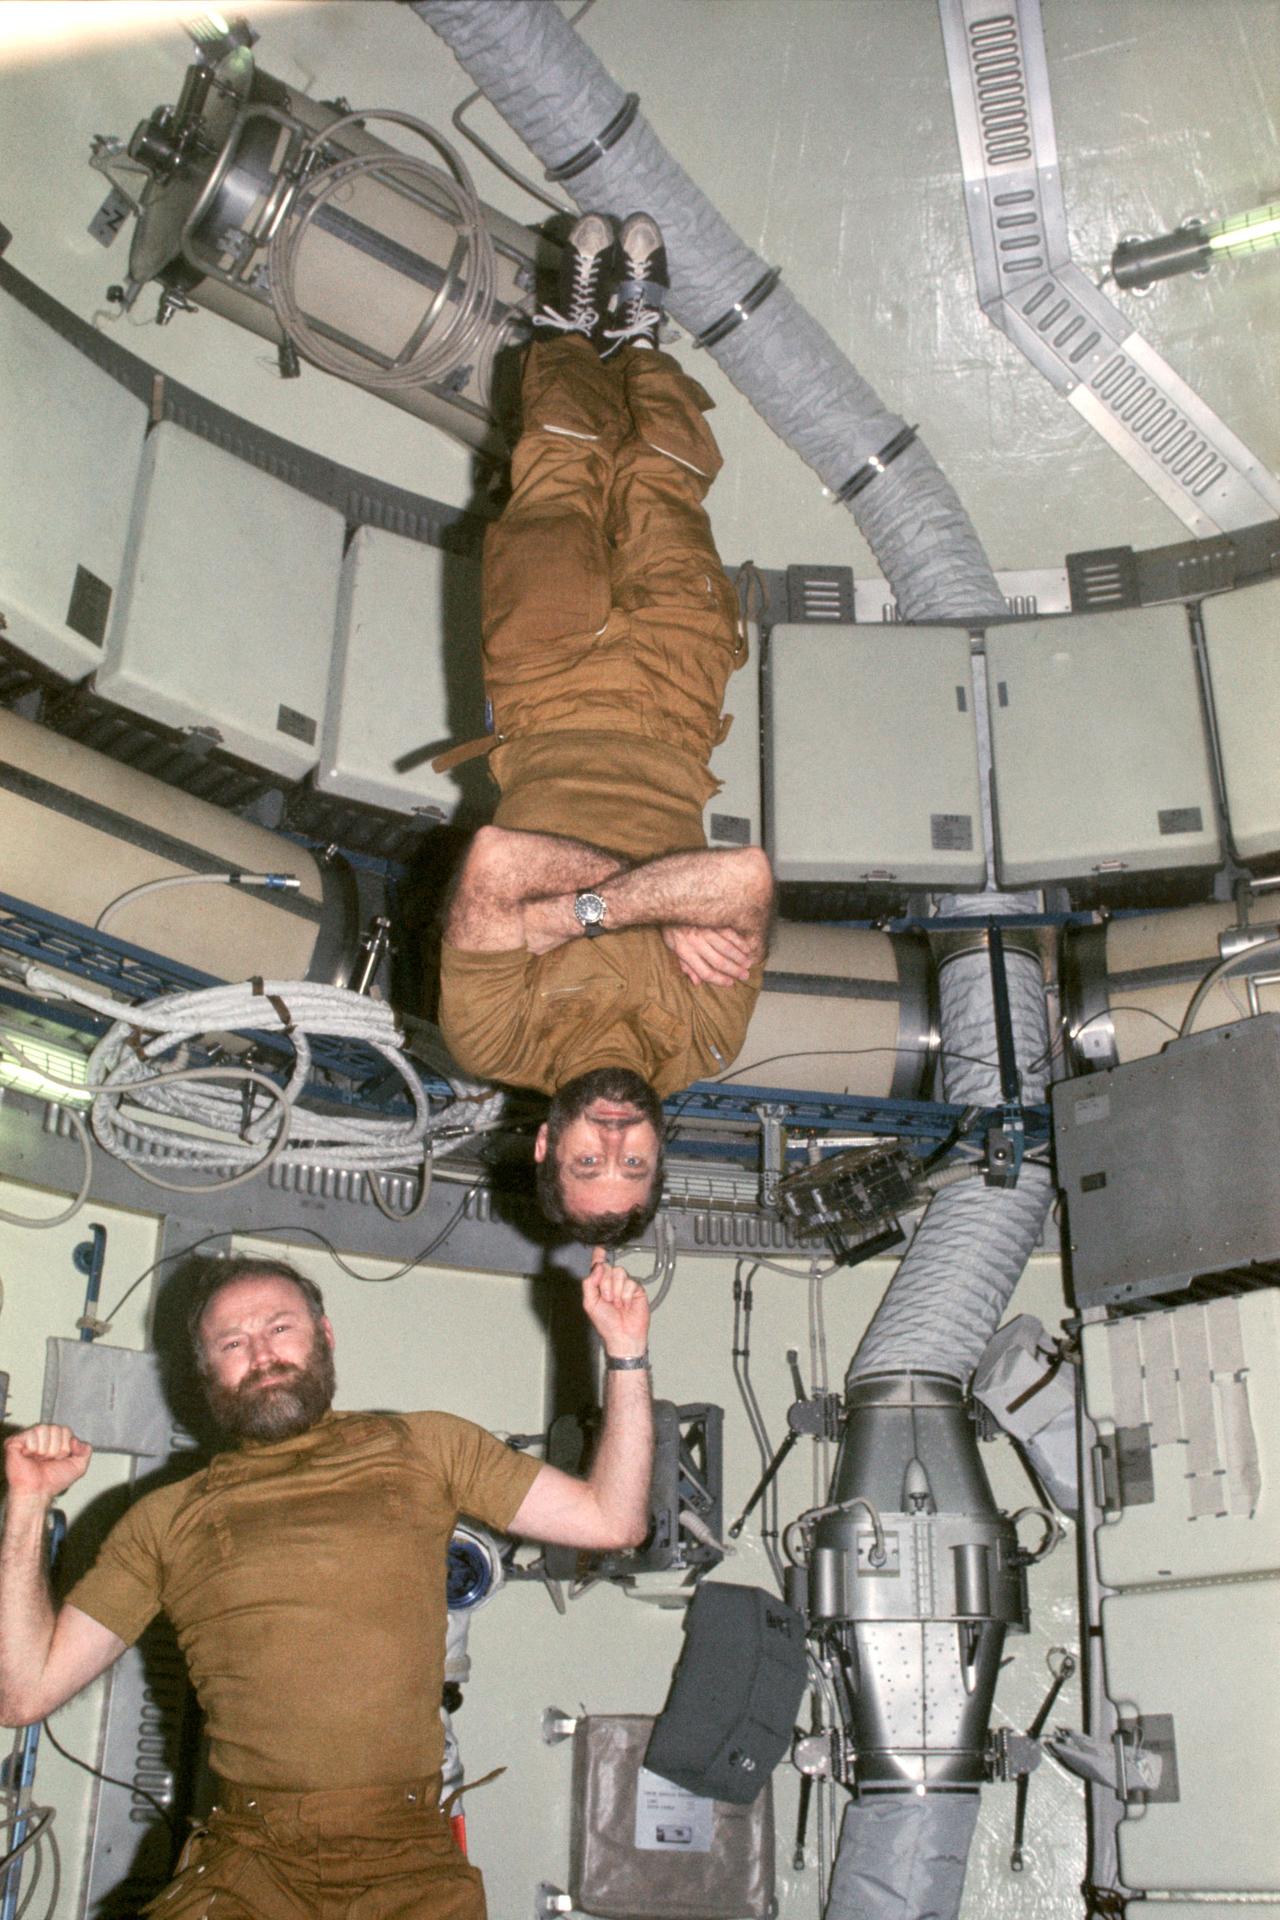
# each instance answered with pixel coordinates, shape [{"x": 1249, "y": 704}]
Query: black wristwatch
[{"x": 589, "y": 911}]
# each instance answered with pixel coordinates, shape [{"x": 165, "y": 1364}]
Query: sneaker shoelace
[
  {"x": 635, "y": 317},
  {"x": 583, "y": 311}
]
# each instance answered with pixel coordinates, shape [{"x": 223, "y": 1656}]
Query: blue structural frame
[{"x": 357, "y": 1078}]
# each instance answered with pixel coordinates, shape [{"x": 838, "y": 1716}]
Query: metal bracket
[{"x": 773, "y": 1150}]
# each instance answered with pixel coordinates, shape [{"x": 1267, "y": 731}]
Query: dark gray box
[{"x": 1171, "y": 1167}]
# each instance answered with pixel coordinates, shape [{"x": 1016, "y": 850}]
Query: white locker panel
[
  {"x": 225, "y": 616},
  {"x": 1198, "y": 1667},
  {"x": 1242, "y": 640},
  {"x": 1098, "y": 747},
  {"x": 873, "y": 756},
  {"x": 73, "y": 439},
  {"x": 406, "y": 678},
  {"x": 1187, "y": 1404},
  {"x": 734, "y": 816}
]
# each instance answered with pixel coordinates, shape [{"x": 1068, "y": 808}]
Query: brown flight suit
[
  {"x": 610, "y": 631},
  {"x": 306, "y": 1583}
]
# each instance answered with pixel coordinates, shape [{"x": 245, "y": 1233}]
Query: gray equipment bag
[{"x": 732, "y": 1708}]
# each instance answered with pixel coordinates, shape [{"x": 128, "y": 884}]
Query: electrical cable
[
  {"x": 804, "y": 1523},
  {"x": 130, "y": 1786},
  {"x": 313, "y": 1233},
  {"x": 211, "y": 1128},
  {"x": 423, "y": 1194},
  {"x": 274, "y": 882},
  {"x": 437, "y": 349},
  {"x": 43, "y": 1817},
  {"x": 1058, "y": 1047}
]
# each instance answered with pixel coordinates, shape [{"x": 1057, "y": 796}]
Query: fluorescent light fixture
[
  {"x": 1193, "y": 247},
  {"x": 1247, "y": 232},
  {"x": 29, "y": 1064}
]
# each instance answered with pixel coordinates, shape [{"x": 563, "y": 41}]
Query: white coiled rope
[
  {"x": 457, "y": 327},
  {"x": 151, "y": 1107}
]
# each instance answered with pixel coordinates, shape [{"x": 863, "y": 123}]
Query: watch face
[{"x": 589, "y": 909}]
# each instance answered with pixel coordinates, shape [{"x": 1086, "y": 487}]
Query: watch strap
[{"x": 634, "y": 1364}]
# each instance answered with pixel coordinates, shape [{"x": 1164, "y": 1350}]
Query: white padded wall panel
[
  {"x": 1192, "y": 1396},
  {"x": 873, "y": 756},
  {"x": 73, "y": 439},
  {"x": 225, "y": 617},
  {"x": 1187, "y": 1406},
  {"x": 1198, "y": 1665},
  {"x": 1098, "y": 747},
  {"x": 1242, "y": 640},
  {"x": 734, "y": 816},
  {"x": 406, "y": 677}
]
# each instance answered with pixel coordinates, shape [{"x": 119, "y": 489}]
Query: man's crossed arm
[{"x": 517, "y": 889}]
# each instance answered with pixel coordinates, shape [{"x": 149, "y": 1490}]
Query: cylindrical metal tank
[
  {"x": 79, "y": 830},
  {"x": 385, "y": 260},
  {"x": 1126, "y": 986},
  {"x": 843, "y": 1010}
]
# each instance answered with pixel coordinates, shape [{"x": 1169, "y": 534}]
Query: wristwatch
[{"x": 589, "y": 911}]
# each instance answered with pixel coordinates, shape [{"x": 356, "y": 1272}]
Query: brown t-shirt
[
  {"x": 616, "y": 1001},
  {"x": 306, "y": 1583}
]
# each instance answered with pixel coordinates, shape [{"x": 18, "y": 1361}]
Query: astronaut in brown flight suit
[
  {"x": 304, "y": 1573},
  {"x": 595, "y": 949}
]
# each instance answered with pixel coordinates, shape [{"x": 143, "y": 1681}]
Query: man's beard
[
  {"x": 290, "y": 1405},
  {"x": 617, "y": 1085}
]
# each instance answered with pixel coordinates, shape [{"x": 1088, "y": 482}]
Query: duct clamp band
[
  {"x": 740, "y": 310},
  {"x": 871, "y": 469},
  {"x": 597, "y": 148}
]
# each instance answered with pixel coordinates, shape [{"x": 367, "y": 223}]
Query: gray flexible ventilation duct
[
  {"x": 552, "y": 90},
  {"x": 902, "y": 1859},
  {"x": 950, "y": 1292}
]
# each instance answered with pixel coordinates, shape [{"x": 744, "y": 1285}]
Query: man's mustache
[{"x": 278, "y": 1377}]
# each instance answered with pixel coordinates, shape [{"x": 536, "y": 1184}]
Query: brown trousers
[
  {"x": 365, "y": 1853},
  {"x": 604, "y": 602}
]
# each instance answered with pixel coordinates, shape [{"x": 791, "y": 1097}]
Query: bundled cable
[{"x": 152, "y": 1107}]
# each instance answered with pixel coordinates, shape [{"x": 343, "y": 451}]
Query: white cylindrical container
[
  {"x": 843, "y": 1010},
  {"x": 79, "y": 831}
]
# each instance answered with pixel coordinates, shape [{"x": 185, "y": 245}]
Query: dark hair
[
  {"x": 216, "y": 1271},
  {"x": 570, "y": 1100}
]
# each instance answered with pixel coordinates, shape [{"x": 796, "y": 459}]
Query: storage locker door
[
  {"x": 73, "y": 439},
  {"x": 1196, "y": 1669},
  {"x": 1242, "y": 639},
  {"x": 873, "y": 756},
  {"x": 406, "y": 678},
  {"x": 225, "y": 617},
  {"x": 1098, "y": 748}
]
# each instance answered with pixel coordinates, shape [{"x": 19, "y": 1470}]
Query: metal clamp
[
  {"x": 595, "y": 149},
  {"x": 740, "y": 310},
  {"x": 871, "y": 469}
]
